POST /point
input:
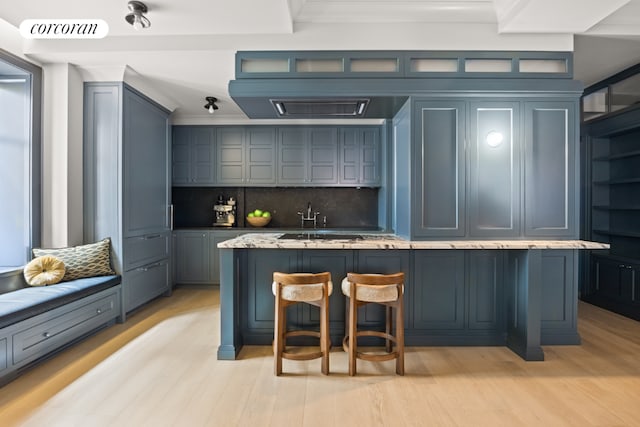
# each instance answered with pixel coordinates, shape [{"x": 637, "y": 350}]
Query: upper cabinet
[
  {"x": 251, "y": 156},
  {"x": 193, "y": 151},
  {"x": 488, "y": 168},
  {"x": 308, "y": 156},
  {"x": 359, "y": 156}
]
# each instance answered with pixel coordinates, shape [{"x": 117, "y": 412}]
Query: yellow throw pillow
[{"x": 44, "y": 270}]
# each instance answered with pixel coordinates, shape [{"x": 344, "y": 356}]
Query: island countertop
[{"x": 390, "y": 241}]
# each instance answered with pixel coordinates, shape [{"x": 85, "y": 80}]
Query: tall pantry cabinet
[{"x": 127, "y": 186}]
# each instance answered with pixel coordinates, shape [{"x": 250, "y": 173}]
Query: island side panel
[
  {"x": 524, "y": 303},
  {"x": 230, "y": 337}
]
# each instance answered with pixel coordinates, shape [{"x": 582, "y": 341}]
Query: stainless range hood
[{"x": 320, "y": 108}]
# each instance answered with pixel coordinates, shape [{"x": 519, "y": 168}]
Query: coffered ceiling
[{"x": 188, "y": 52}]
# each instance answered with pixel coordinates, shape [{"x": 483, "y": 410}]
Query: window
[{"x": 20, "y": 171}]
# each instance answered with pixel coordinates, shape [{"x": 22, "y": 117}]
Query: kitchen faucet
[{"x": 310, "y": 212}]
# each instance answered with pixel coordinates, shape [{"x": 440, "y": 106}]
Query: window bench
[{"x": 36, "y": 322}]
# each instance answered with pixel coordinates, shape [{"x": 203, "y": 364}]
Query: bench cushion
[{"x": 24, "y": 303}]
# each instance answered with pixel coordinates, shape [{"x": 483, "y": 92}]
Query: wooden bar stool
[
  {"x": 384, "y": 289},
  {"x": 293, "y": 288}
]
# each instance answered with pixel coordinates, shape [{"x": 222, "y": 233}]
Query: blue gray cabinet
[
  {"x": 487, "y": 167},
  {"x": 246, "y": 156},
  {"x": 359, "y": 156},
  {"x": 307, "y": 156},
  {"x": 494, "y": 169},
  {"x": 485, "y": 286},
  {"x": 439, "y": 297},
  {"x": 197, "y": 257},
  {"x": 560, "y": 296},
  {"x": 129, "y": 204},
  {"x": 439, "y": 171},
  {"x": 550, "y": 171},
  {"x": 192, "y": 257},
  {"x": 193, "y": 156}
]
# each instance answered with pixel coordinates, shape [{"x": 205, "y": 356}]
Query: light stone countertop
[{"x": 390, "y": 241}]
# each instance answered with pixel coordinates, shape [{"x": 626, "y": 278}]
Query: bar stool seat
[
  {"x": 387, "y": 290},
  {"x": 293, "y": 288}
]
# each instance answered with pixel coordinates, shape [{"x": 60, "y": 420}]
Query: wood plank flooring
[{"x": 160, "y": 369}]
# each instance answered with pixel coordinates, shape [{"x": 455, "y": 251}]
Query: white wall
[{"x": 62, "y": 156}]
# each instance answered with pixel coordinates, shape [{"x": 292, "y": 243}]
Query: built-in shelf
[
  {"x": 617, "y": 181},
  {"x": 618, "y": 233},
  {"x": 619, "y": 156},
  {"x": 615, "y": 208}
]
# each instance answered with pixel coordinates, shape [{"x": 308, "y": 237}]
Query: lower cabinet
[
  {"x": 615, "y": 285},
  {"x": 196, "y": 256},
  {"x": 146, "y": 282}
]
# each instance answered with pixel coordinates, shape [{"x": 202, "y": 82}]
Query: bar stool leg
[
  {"x": 324, "y": 334},
  {"x": 400, "y": 336},
  {"x": 388, "y": 330},
  {"x": 278, "y": 341},
  {"x": 353, "y": 342}
]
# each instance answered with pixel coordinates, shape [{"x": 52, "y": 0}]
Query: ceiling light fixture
[
  {"x": 136, "y": 17},
  {"x": 211, "y": 104}
]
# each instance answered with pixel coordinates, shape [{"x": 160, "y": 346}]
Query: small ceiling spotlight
[
  {"x": 211, "y": 104},
  {"x": 136, "y": 17}
]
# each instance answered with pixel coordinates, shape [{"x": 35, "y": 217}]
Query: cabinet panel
[
  {"x": 359, "y": 156},
  {"x": 260, "y": 152},
  {"x": 260, "y": 305},
  {"x": 145, "y": 283},
  {"x": 494, "y": 168},
  {"x": 550, "y": 181},
  {"x": 146, "y": 166},
  {"x": 4, "y": 354},
  {"x": 193, "y": 262},
  {"x": 145, "y": 249},
  {"x": 559, "y": 289},
  {"x": 439, "y": 171},
  {"x": 384, "y": 262},
  {"x": 438, "y": 301},
  {"x": 230, "y": 151},
  {"x": 338, "y": 263},
  {"x": 216, "y": 237},
  {"x": 323, "y": 156},
  {"x": 292, "y": 155},
  {"x": 202, "y": 155},
  {"x": 181, "y": 156},
  {"x": 486, "y": 276}
]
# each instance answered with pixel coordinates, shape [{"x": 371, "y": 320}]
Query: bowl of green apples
[{"x": 258, "y": 218}]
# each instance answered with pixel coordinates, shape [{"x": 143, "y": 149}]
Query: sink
[{"x": 319, "y": 236}]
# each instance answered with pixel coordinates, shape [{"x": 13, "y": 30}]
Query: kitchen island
[{"x": 518, "y": 293}]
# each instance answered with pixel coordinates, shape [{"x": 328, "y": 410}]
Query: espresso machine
[{"x": 225, "y": 212}]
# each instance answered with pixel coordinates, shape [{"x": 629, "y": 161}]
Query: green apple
[
  {"x": 266, "y": 214},
  {"x": 257, "y": 212},
  {"x": 250, "y": 215}
]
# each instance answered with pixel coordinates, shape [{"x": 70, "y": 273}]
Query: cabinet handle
[
  {"x": 150, "y": 267},
  {"x": 46, "y": 335},
  {"x": 153, "y": 236},
  {"x": 99, "y": 311},
  {"x": 171, "y": 217}
]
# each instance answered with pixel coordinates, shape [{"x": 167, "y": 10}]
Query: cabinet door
[
  {"x": 292, "y": 156},
  {"x": 181, "y": 157},
  {"x": 607, "y": 277},
  {"x": 370, "y": 157},
  {"x": 384, "y": 262},
  {"x": 193, "y": 257},
  {"x": 559, "y": 291},
  {"x": 438, "y": 298},
  {"x": 145, "y": 283},
  {"x": 260, "y": 299},
  {"x": 338, "y": 263},
  {"x": 550, "y": 170},
  {"x": 146, "y": 166},
  {"x": 230, "y": 144},
  {"x": 494, "y": 202},
  {"x": 359, "y": 157},
  {"x": 260, "y": 152},
  {"x": 439, "y": 169},
  {"x": 485, "y": 284},
  {"x": 202, "y": 155},
  {"x": 323, "y": 156}
]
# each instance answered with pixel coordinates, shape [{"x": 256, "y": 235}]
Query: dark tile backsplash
[{"x": 343, "y": 207}]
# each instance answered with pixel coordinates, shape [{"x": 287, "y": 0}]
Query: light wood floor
[{"x": 160, "y": 369}]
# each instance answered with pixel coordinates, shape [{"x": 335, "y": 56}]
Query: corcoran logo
[{"x": 64, "y": 28}]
